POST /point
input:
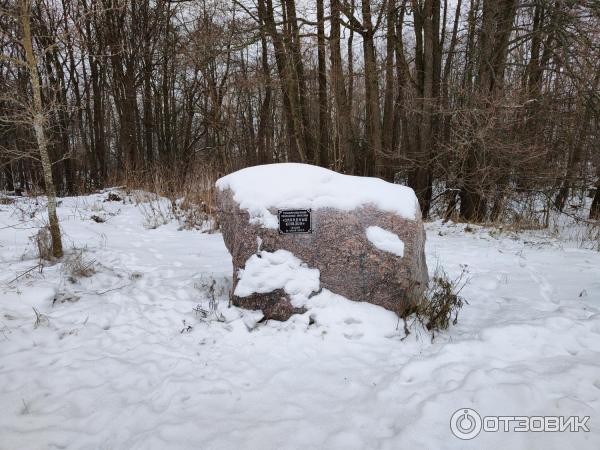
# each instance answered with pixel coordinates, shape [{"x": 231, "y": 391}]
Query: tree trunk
[
  {"x": 388, "y": 97},
  {"x": 373, "y": 113},
  {"x": 299, "y": 83},
  {"x": 323, "y": 113},
  {"x": 576, "y": 149},
  {"x": 342, "y": 109},
  {"x": 8, "y": 176},
  {"x": 265, "y": 152},
  {"x": 595, "y": 209},
  {"x": 39, "y": 123},
  {"x": 288, "y": 87},
  {"x": 496, "y": 27},
  {"x": 428, "y": 67}
]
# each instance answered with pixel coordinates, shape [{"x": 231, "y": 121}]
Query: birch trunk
[{"x": 39, "y": 122}]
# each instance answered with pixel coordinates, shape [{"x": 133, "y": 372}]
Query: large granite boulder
[{"x": 366, "y": 236}]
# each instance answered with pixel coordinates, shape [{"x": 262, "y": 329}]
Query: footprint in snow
[{"x": 545, "y": 289}]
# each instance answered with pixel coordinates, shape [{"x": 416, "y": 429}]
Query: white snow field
[{"x": 125, "y": 359}]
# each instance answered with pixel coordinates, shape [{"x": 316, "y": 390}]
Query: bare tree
[
  {"x": 38, "y": 121},
  {"x": 470, "y": 103}
]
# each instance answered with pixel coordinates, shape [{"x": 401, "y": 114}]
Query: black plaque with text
[{"x": 294, "y": 221}]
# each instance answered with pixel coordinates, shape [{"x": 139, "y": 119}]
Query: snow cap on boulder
[
  {"x": 261, "y": 189},
  {"x": 366, "y": 236}
]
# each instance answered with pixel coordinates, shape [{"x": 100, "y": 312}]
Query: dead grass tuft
[
  {"x": 189, "y": 191},
  {"x": 76, "y": 266},
  {"x": 40, "y": 319},
  {"x": 43, "y": 243}
]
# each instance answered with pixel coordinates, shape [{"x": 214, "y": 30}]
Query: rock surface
[{"x": 350, "y": 263}]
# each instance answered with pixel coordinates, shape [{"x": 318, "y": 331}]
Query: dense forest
[{"x": 472, "y": 103}]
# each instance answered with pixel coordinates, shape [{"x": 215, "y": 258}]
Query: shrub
[{"x": 439, "y": 306}]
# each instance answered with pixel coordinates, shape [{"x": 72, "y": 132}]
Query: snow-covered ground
[{"x": 125, "y": 359}]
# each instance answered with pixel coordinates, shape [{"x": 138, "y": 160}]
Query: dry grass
[
  {"x": 439, "y": 306},
  {"x": 41, "y": 320},
  {"x": 189, "y": 192},
  {"x": 43, "y": 243},
  {"x": 76, "y": 266},
  {"x": 156, "y": 210}
]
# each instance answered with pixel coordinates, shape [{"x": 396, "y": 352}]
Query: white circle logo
[{"x": 465, "y": 423}]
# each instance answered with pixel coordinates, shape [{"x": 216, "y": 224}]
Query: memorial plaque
[{"x": 294, "y": 221}]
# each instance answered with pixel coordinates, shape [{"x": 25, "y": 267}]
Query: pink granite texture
[{"x": 350, "y": 265}]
